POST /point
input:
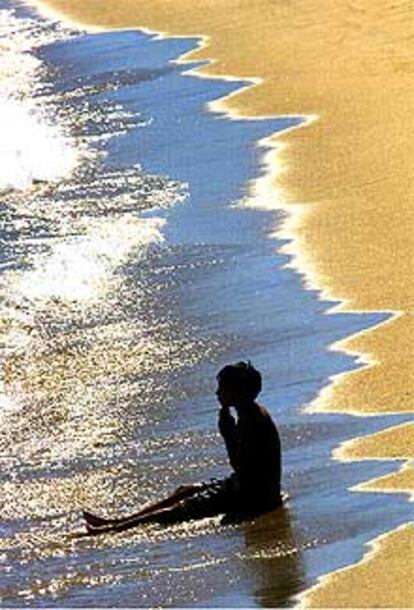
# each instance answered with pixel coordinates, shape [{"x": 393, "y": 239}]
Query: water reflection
[
  {"x": 274, "y": 559},
  {"x": 79, "y": 269}
]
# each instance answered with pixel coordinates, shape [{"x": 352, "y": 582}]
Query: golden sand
[
  {"x": 400, "y": 482},
  {"x": 392, "y": 444},
  {"x": 351, "y": 64},
  {"x": 375, "y": 582},
  {"x": 385, "y": 385}
]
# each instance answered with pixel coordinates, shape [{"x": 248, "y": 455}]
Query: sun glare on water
[{"x": 80, "y": 269}]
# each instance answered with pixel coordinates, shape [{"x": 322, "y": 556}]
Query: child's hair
[{"x": 243, "y": 377}]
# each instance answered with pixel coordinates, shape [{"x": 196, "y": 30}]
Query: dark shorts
[
  {"x": 219, "y": 496},
  {"x": 214, "y": 497}
]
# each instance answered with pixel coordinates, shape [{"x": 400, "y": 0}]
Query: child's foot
[{"x": 93, "y": 520}]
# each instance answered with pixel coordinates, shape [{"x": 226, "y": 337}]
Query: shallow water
[{"x": 132, "y": 270}]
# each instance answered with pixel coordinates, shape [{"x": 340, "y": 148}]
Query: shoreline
[
  {"x": 301, "y": 228},
  {"x": 382, "y": 562}
]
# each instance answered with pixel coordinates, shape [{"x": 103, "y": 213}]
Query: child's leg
[
  {"x": 185, "y": 491},
  {"x": 168, "y": 515},
  {"x": 182, "y": 492},
  {"x": 186, "y": 503}
]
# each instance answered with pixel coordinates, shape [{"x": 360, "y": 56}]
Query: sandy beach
[{"x": 345, "y": 181}]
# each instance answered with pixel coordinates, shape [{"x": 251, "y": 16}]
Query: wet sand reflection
[{"x": 273, "y": 558}]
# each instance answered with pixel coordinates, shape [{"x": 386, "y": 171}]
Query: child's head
[{"x": 238, "y": 383}]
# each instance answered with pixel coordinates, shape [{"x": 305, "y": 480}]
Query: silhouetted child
[{"x": 253, "y": 446}]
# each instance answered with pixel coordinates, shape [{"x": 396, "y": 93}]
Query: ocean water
[{"x": 131, "y": 270}]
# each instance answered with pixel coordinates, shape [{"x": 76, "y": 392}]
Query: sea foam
[{"x": 32, "y": 148}]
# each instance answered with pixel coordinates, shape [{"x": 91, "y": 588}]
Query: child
[{"x": 253, "y": 448}]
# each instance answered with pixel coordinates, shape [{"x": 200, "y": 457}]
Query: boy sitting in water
[{"x": 253, "y": 447}]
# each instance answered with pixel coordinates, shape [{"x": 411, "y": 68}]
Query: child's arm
[{"x": 229, "y": 432}]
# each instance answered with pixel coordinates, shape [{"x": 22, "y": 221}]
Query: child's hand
[{"x": 226, "y": 420}]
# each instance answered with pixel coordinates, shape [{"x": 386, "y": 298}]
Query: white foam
[
  {"x": 81, "y": 269},
  {"x": 31, "y": 147}
]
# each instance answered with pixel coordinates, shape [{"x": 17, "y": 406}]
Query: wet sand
[
  {"x": 351, "y": 172},
  {"x": 383, "y": 565}
]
